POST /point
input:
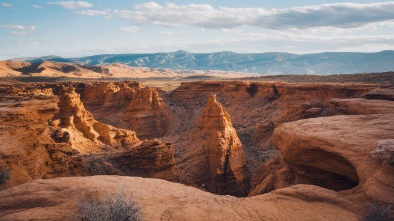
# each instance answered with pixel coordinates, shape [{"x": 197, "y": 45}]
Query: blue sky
[{"x": 81, "y": 28}]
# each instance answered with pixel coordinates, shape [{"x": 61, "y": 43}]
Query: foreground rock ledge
[{"x": 56, "y": 199}]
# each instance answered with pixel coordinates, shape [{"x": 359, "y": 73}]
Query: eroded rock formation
[
  {"x": 256, "y": 108},
  {"x": 127, "y": 105},
  {"x": 152, "y": 158},
  {"x": 335, "y": 152},
  {"x": 87, "y": 134},
  {"x": 26, "y": 149},
  {"x": 43, "y": 135},
  {"x": 214, "y": 159},
  {"x": 162, "y": 200}
]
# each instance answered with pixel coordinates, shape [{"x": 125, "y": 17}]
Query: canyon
[{"x": 207, "y": 150}]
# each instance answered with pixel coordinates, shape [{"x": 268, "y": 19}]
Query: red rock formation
[
  {"x": 26, "y": 148},
  {"x": 57, "y": 199},
  {"x": 256, "y": 109},
  {"x": 215, "y": 160},
  {"x": 127, "y": 105},
  {"x": 335, "y": 152},
  {"x": 87, "y": 134},
  {"x": 152, "y": 158},
  {"x": 34, "y": 145}
]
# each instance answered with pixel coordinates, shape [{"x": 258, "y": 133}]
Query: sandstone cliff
[
  {"x": 127, "y": 105},
  {"x": 214, "y": 159},
  {"x": 87, "y": 134},
  {"x": 335, "y": 152},
  {"x": 153, "y": 159},
  {"x": 256, "y": 108},
  {"x": 26, "y": 148},
  {"x": 43, "y": 135}
]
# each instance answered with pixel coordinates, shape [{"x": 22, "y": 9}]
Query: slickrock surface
[
  {"x": 335, "y": 152},
  {"x": 56, "y": 199},
  {"x": 127, "y": 105},
  {"x": 214, "y": 159}
]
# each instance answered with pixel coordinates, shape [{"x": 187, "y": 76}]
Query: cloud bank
[
  {"x": 72, "y": 4},
  {"x": 18, "y": 27},
  {"x": 7, "y": 5},
  {"x": 341, "y": 15}
]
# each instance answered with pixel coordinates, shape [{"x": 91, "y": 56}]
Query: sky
[{"x": 34, "y": 28}]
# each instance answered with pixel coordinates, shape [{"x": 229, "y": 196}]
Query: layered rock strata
[
  {"x": 214, "y": 159},
  {"x": 335, "y": 153},
  {"x": 26, "y": 149},
  {"x": 256, "y": 108},
  {"x": 83, "y": 128},
  {"x": 153, "y": 159},
  {"x": 46, "y": 136},
  {"x": 127, "y": 105}
]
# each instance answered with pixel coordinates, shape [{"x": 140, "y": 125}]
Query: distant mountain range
[{"x": 260, "y": 63}]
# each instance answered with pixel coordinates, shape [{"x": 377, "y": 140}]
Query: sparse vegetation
[
  {"x": 377, "y": 211},
  {"x": 4, "y": 176},
  {"x": 109, "y": 208}
]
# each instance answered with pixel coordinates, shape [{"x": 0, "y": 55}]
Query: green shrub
[
  {"x": 110, "y": 208},
  {"x": 377, "y": 211},
  {"x": 4, "y": 176}
]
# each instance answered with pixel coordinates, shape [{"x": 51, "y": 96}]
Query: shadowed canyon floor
[{"x": 298, "y": 151}]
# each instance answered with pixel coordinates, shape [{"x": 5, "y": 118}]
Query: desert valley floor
[{"x": 204, "y": 150}]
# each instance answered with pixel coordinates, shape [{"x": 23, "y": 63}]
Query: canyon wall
[
  {"x": 351, "y": 153},
  {"x": 46, "y": 132},
  {"x": 83, "y": 128},
  {"x": 127, "y": 105},
  {"x": 256, "y": 108},
  {"x": 26, "y": 149},
  {"x": 213, "y": 157},
  {"x": 208, "y": 149}
]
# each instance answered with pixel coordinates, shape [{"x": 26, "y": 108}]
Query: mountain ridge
[{"x": 261, "y": 63}]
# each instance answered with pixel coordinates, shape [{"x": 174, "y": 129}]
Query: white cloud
[
  {"x": 7, "y": 5},
  {"x": 18, "y": 33},
  {"x": 131, "y": 29},
  {"x": 165, "y": 33},
  {"x": 233, "y": 30},
  {"x": 29, "y": 42},
  {"x": 37, "y": 6},
  {"x": 18, "y": 27},
  {"x": 340, "y": 15},
  {"x": 92, "y": 12},
  {"x": 72, "y": 4}
]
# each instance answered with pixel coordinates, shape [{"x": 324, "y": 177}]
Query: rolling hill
[{"x": 260, "y": 63}]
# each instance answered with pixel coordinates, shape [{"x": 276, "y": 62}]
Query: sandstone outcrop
[
  {"x": 86, "y": 134},
  {"x": 386, "y": 93},
  {"x": 153, "y": 159},
  {"x": 256, "y": 108},
  {"x": 56, "y": 199},
  {"x": 127, "y": 105},
  {"x": 352, "y": 152},
  {"x": 43, "y": 136},
  {"x": 334, "y": 152},
  {"x": 26, "y": 148},
  {"x": 214, "y": 159}
]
